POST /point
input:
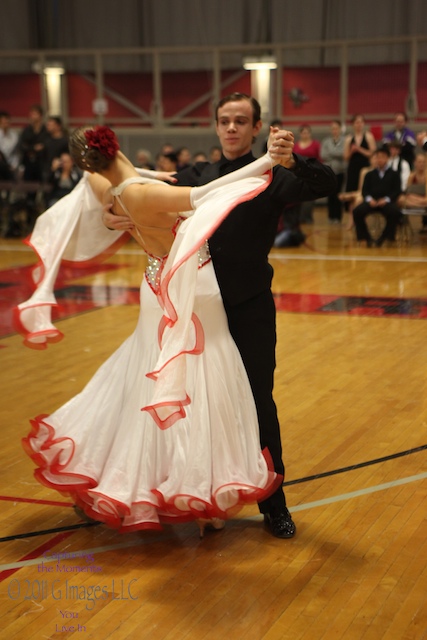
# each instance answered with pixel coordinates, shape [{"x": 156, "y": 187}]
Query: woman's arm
[
  {"x": 411, "y": 179},
  {"x": 156, "y": 205},
  {"x": 347, "y": 150},
  {"x": 148, "y": 201},
  {"x": 371, "y": 144},
  {"x": 101, "y": 187}
]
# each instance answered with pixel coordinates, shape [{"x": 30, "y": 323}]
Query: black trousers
[
  {"x": 391, "y": 213},
  {"x": 253, "y": 327}
]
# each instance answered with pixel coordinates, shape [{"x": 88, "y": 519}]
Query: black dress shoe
[
  {"x": 280, "y": 524},
  {"x": 79, "y": 511}
]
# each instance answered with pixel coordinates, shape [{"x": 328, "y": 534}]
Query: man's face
[
  {"x": 235, "y": 128},
  {"x": 34, "y": 116},
  {"x": 4, "y": 123},
  {"x": 382, "y": 160},
  {"x": 335, "y": 130},
  {"x": 399, "y": 122}
]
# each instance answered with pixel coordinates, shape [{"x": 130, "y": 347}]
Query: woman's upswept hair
[{"x": 93, "y": 148}]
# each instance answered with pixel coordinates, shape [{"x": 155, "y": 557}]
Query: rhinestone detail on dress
[{"x": 155, "y": 266}]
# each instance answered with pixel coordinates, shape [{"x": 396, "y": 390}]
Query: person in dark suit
[
  {"x": 239, "y": 250},
  {"x": 380, "y": 190}
]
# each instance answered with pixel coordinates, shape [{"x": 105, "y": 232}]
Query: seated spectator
[
  {"x": 415, "y": 193},
  {"x": 399, "y": 164},
  {"x": 307, "y": 146},
  {"x": 405, "y": 136},
  {"x": 143, "y": 159},
  {"x": 8, "y": 145},
  {"x": 381, "y": 189},
  {"x": 64, "y": 178},
  {"x": 289, "y": 232}
]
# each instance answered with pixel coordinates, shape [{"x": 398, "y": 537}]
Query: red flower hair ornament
[{"x": 104, "y": 140}]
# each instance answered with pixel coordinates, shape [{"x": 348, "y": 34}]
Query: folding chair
[{"x": 405, "y": 226}]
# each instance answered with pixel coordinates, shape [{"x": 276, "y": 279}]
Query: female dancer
[{"x": 166, "y": 430}]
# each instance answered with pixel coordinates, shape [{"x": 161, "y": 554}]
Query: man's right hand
[
  {"x": 280, "y": 147},
  {"x": 116, "y": 223}
]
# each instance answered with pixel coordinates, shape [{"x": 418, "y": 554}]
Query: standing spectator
[
  {"x": 309, "y": 148},
  {"x": 380, "y": 191},
  {"x": 405, "y": 136},
  {"x": 332, "y": 152},
  {"x": 306, "y": 145},
  {"x": 56, "y": 142},
  {"x": 358, "y": 148},
  {"x": 398, "y": 163},
  {"x": 32, "y": 144},
  {"x": 8, "y": 143}
]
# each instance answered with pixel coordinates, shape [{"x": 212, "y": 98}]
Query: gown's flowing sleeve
[
  {"x": 71, "y": 231},
  {"x": 180, "y": 332}
]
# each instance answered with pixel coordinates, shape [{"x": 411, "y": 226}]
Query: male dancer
[{"x": 239, "y": 250}]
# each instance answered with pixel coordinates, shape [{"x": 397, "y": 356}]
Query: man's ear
[{"x": 257, "y": 128}]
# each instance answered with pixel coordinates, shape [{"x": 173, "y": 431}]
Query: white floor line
[
  {"x": 346, "y": 258},
  {"x": 133, "y": 543}
]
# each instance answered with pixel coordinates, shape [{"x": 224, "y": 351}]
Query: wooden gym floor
[{"x": 351, "y": 389}]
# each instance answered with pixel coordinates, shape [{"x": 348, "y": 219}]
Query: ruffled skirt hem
[{"x": 53, "y": 457}]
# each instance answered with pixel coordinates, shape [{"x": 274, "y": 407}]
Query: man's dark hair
[
  {"x": 56, "y": 119},
  {"x": 383, "y": 149},
  {"x": 402, "y": 113},
  {"x": 235, "y": 97},
  {"x": 38, "y": 108}
]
